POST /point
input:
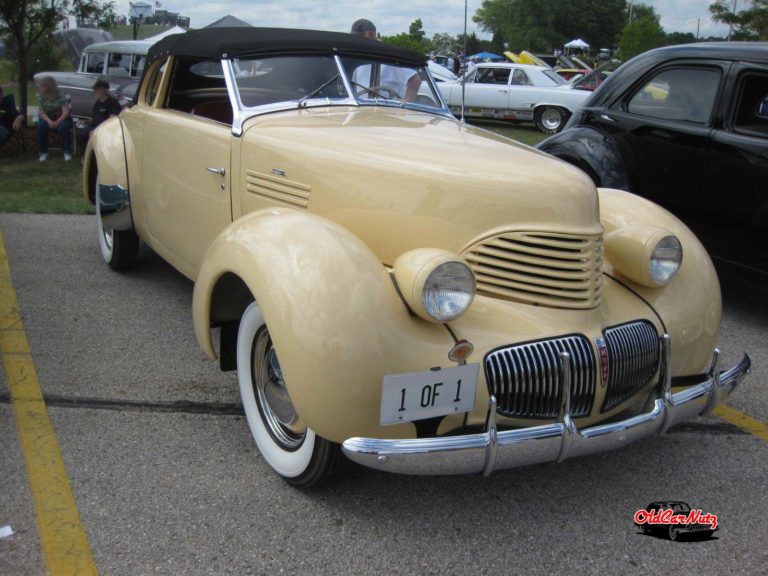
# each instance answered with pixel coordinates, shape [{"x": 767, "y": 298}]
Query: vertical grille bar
[
  {"x": 527, "y": 383},
  {"x": 633, "y": 357}
]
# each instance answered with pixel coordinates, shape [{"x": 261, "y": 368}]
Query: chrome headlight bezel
[{"x": 436, "y": 285}]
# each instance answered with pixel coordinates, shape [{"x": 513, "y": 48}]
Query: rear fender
[
  {"x": 333, "y": 313},
  {"x": 593, "y": 152},
  {"x": 105, "y": 155}
]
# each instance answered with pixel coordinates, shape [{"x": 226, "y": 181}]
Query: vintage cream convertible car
[{"x": 417, "y": 294}]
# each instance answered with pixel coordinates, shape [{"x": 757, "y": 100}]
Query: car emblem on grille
[{"x": 602, "y": 354}]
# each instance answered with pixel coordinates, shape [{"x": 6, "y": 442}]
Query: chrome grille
[
  {"x": 559, "y": 270},
  {"x": 633, "y": 359},
  {"x": 526, "y": 378}
]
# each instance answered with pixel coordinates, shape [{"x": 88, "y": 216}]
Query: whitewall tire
[
  {"x": 119, "y": 248},
  {"x": 298, "y": 455}
]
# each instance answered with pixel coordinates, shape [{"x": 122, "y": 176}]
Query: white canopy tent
[{"x": 578, "y": 43}]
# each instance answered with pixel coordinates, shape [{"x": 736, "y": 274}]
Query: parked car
[
  {"x": 685, "y": 126},
  {"x": 440, "y": 73},
  {"x": 121, "y": 63},
  {"x": 673, "y": 531},
  {"x": 421, "y": 295},
  {"x": 516, "y": 92}
]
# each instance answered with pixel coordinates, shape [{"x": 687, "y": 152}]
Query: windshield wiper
[
  {"x": 316, "y": 91},
  {"x": 370, "y": 90}
]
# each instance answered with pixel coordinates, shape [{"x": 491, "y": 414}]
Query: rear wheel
[
  {"x": 673, "y": 533},
  {"x": 550, "y": 119},
  {"x": 119, "y": 248},
  {"x": 294, "y": 451}
]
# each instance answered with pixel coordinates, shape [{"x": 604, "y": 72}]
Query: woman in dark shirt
[{"x": 54, "y": 114}]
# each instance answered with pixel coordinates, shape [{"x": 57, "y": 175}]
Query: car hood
[{"x": 402, "y": 179}]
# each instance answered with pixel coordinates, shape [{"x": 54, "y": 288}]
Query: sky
[{"x": 393, "y": 16}]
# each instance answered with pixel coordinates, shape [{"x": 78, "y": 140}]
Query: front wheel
[
  {"x": 294, "y": 451},
  {"x": 551, "y": 119},
  {"x": 673, "y": 533},
  {"x": 119, "y": 248}
]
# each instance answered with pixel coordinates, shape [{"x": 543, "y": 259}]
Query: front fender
[
  {"x": 593, "y": 152},
  {"x": 333, "y": 312},
  {"x": 105, "y": 155},
  {"x": 690, "y": 305}
]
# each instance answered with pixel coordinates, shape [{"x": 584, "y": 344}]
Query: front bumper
[{"x": 494, "y": 450}]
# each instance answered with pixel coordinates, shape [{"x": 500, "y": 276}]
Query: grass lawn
[
  {"x": 55, "y": 186},
  {"x": 524, "y": 133},
  {"x": 52, "y": 187}
]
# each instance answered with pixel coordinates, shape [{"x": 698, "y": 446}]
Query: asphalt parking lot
[{"x": 167, "y": 480}]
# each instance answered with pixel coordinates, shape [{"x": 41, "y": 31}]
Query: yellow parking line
[
  {"x": 62, "y": 537},
  {"x": 746, "y": 423}
]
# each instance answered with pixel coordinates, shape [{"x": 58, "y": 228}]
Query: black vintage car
[
  {"x": 671, "y": 530},
  {"x": 687, "y": 127}
]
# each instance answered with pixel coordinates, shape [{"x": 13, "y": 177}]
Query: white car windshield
[{"x": 306, "y": 78}]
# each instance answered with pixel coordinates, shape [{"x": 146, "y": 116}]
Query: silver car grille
[
  {"x": 526, "y": 378},
  {"x": 633, "y": 359}
]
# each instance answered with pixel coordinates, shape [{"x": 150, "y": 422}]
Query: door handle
[
  {"x": 502, "y": 91},
  {"x": 606, "y": 117},
  {"x": 219, "y": 171}
]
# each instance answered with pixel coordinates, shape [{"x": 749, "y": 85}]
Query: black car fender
[{"x": 592, "y": 151}]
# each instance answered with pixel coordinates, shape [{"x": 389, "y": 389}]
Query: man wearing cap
[
  {"x": 401, "y": 83},
  {"x": 104, "y": 107}
]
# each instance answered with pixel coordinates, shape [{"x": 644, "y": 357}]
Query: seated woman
[{"x": 54, "y": 114}]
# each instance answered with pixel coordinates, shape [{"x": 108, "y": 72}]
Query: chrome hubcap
[
  {"x": 551, "y": 119},
  {"x": 275, "y": 405}
]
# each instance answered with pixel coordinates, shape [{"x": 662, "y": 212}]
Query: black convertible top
[{"x": 217, "y": 43}]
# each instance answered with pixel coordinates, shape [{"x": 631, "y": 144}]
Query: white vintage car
[{"x": 516, "y": 92}]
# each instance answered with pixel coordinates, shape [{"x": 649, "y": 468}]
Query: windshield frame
[{"x": 243, "y": 112}]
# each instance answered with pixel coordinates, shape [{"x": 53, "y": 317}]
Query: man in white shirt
[{"x": 400, "y": 83}]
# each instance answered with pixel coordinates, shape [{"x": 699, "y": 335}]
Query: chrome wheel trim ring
[
  {"x": 551, "y": 118},
  {"x": 106, "y": 235},
  {"x": 268, "y": 384}
]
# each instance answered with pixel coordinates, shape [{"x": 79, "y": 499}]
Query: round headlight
[
  {"x": 647, "y": 255},
  {"x": 448, "y": 291},
  {"x": 436, "y": 285},
  {"x": 665, "y": 259}
]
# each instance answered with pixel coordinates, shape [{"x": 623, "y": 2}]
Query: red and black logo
[
  {"x": 602, "y": 355},
  {"x": 675, "y": 520}
]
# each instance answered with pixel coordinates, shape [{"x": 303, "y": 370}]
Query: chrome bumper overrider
[{"x": 494, "y": 450}]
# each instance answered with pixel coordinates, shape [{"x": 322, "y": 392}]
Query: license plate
[{"x": 420, "y": 395}]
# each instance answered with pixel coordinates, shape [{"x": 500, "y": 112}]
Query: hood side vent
[{"x": 278, "y": 189}]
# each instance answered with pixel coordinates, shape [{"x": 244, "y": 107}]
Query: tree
[
  {"x": 442, "y": 42},
  {"x": 474, "y": 44},
  {"x": 641, "y": 35},
  {"x": 93, "y": 14},
  {"x": 543, "y": 25},
  {"x": 680, "y": 38},
  {"x": 404, "y": 41},
  {"x": 23, "y": 23},
  {"x": 416, "y": 31},
  {"x": 26, "y": 25},
  {"x": 751, "y": 23}
]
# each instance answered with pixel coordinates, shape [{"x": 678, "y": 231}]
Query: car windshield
[
  {"x": 303, "y": 78},
  {"x": 375, "y": 82},
  {"x": 555, "y": 77},
  {"x": 274, "y": 79}
]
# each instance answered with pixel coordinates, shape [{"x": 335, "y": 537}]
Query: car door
[
  {"x": 488, "y": 93},
  {"x": 735, "y": 195},
  {"x": 662, "y": 126},
  {"x": 186, "y": 164}
]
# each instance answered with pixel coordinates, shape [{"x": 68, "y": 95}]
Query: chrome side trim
[
  {"x": 493, "y": 450},
  {"x": 115, "y": 207}
]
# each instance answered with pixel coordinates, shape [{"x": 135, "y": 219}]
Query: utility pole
[
  {"x": 698, "y": 26},
  {"x": 631, "y": 7},
  {"x": 730, "y": 27}
]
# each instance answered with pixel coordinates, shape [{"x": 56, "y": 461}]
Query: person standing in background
[{"x": 54, "y": 114}]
